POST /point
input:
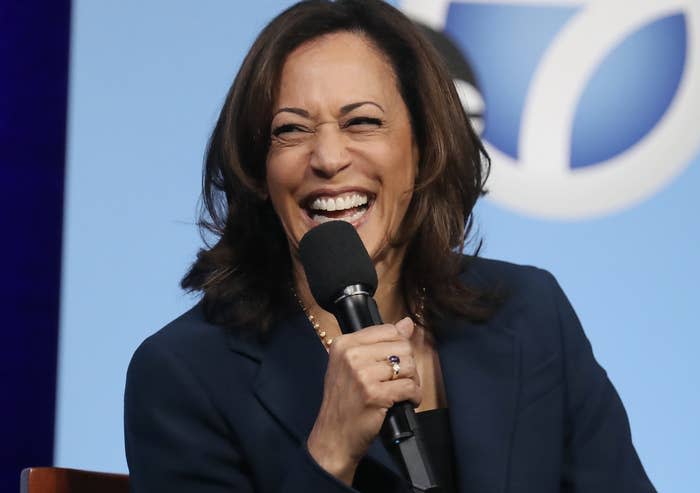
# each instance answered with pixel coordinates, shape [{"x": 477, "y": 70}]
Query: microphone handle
[{"x": 355, "y": 310}]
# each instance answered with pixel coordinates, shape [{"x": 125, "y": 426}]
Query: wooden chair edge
[{"x": 62, "y": 475}]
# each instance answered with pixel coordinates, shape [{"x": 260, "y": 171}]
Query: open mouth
[{"x": 350, "y": 207}]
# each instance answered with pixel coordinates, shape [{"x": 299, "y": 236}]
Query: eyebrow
[
  {"x": 349, "y": 107},
  {"x": 343, "y": 110}
]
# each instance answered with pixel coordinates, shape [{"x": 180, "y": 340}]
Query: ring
[{"x": 394, "y": 361}]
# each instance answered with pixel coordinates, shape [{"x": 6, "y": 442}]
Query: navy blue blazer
[{"x": 209, "y": 409}]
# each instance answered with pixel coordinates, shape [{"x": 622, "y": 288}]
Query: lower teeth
[{"x": 352, "y": 217}]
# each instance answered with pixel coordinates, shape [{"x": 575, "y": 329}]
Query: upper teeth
[{"x": 338, "y": 203}]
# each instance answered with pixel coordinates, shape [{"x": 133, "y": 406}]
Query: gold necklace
[{"x": 325, "y": 339}]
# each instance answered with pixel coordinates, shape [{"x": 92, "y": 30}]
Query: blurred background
[{"x": 589, "y": 110}]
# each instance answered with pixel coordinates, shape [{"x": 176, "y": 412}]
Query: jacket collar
[
  {"x": 289, "y": 383},
  {"x": 480, "y": 366},
  {"x": 480, "y": 370}
]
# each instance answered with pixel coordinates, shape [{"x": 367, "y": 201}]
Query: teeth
[
  {"x": 339, "y": 203},
  {"x": 318, "y": 218}
]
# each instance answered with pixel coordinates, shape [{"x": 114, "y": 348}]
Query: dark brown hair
[{"x": 245, "y": 276}]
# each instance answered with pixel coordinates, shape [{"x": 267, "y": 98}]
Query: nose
[{"x": 329, "y": 155}]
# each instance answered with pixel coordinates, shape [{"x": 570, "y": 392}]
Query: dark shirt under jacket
[
  {"x": 437, "y": 439},
  {"x": 213, "y": 410}
]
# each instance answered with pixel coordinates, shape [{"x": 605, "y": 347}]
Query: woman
[{"x": 342, "y": 110}]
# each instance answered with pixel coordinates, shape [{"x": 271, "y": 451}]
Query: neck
[{"x": 388, "y": 296}]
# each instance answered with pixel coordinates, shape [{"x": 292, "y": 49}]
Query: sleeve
[
  {"x": 599, "y": 456},
  {"x": 177, "y": 441}
]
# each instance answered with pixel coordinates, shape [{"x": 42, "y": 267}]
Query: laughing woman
[{"x": 342, "y": 110}]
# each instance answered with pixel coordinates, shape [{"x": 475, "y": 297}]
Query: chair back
[{"x": 60, "y": 480}]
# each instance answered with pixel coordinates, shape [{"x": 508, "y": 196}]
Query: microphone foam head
[{"x": 334, "y": 258}]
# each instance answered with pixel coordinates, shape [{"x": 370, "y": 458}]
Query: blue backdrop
[{"x": 589, "y": 112}]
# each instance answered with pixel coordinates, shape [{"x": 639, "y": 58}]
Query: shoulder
[
  {"x": 513, "y": 281},
  {"x": 532, "y": 306},
  {"x": 189, "y": 335},
  {"x": 193, "y": 349},
  {"x": 193, "y": 335}
]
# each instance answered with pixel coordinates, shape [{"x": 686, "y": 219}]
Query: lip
[{"x": 334, "y": 192}]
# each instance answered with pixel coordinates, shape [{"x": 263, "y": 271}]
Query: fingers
[
  {"x": 381, "y": 388},
  {"x": 382, "y": 371},
  {"x": 404, "y": 390},
  {"x": 375, "y": 358},
  {"x": 405, "y": 326},
  {"x": 363, "y": 356},
  {"x": 386, "y": 394},
  {"x": 381, "y": 351},
  {"x": 402, "y": 330}
]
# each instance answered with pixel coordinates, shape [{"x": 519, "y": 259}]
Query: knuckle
[
  {"x": 367, "y": 393},
  {"x": 399, "y": 391},
  {"x": 374, "y": 328},
  {"x": 362, "y": 375},
  {"x": 416, "y": 378},
  {"x": 394, "y": 332},
  {"x": 389, "y": 331},
  {"x": 409, "y": 385},
  {"x": 418, "y": 396},
  {"x": 337, "y": 347},
  {"x": 352, "y": 355},
  {"x": 340, "y": 342}
]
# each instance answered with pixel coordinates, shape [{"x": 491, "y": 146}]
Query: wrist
[{"x": 332, "y": 460}]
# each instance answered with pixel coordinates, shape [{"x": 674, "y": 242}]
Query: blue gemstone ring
[{"x": 394, "y": 362}]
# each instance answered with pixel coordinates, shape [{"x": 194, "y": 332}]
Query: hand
[{"x": 359, "y": 388}]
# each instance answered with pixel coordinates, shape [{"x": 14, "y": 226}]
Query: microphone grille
[{"x": 334, "y": 257}]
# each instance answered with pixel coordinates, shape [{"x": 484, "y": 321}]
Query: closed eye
[
  {"x": 362, "y": 121},
  {"x": 288, "y": 128}
]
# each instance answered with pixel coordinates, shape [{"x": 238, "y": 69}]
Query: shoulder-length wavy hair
[{"x": 245, "y": 277}]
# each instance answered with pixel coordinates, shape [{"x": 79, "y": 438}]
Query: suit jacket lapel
[
  {"x": 289, "y": 383},
  {"x": 290, "y": 380},
  {"x": 480, "y": 370}
]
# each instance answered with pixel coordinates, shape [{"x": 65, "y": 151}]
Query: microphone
[{"x": 343, "y": 280}]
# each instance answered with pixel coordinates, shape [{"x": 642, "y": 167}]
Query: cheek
[
  {"x": 400, "y": 182},
  {"x": 279, "y": 190},
  {"x": 285, "y": 174},
  {"x": 280, "y": 181},
  {"x": 402, "y": 175}
]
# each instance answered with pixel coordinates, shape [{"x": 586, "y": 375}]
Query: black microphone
[{"x": 343, "y": 280}]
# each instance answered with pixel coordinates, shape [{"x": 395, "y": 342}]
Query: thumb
[{"x": 405, "y": 327}]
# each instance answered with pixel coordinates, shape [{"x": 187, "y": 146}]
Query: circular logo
[{"x": 588, "y": 107}]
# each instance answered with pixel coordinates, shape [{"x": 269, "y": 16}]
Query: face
[{"x": 342, "y": 145}]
